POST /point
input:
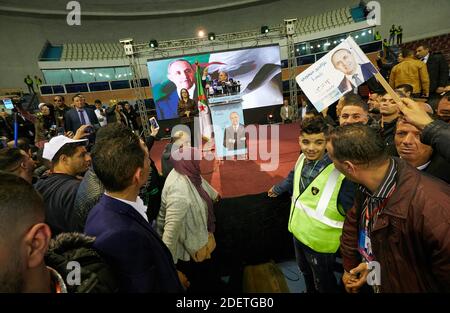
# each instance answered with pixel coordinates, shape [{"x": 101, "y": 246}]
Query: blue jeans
[{"x": 317, "y": 269}]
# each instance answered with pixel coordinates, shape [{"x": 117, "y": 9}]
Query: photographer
[{"x": 45, "y": 126}]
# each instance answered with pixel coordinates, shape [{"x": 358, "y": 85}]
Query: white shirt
[
  {"x": 286, "y": 108},
  {"x": 360, "y": 76},
  {"x": 425, "y": 58},
  {"x": 303, "y": 111},
  {"x": 138, "y": 205},
  {"x": 100, "y": 117},
  {"x": 424, "y": 166},
  {"x": 86, "y": 117}
]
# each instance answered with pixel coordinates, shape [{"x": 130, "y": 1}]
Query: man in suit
[
  {"x": 182, "y": 75},
  {"x": 286, "y": 112},
  {"x": 79, "y": 115},
  {"x": 234, "y": 135},
  {"x": 355, "y": 73},
  {"x": 124, "y": 237},
  {"x": 437, "y": 69}
]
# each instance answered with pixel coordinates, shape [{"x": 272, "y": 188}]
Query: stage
[
  {"x": 233, "y": 178},
  {"x": 251, "y": 228}
]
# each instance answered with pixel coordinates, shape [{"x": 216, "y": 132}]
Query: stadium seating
[
  {"x": 92, "y": 51},
  {"x": 108, "y": 51},
  {"x": 327, "y": 20}
]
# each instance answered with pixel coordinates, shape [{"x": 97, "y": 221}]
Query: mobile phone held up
[
  {"x": 89, "y": 130},
  {"x": 154, "y": 122}
]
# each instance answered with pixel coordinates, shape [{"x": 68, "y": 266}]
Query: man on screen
[
  {"x": 182, "y": 74},
  {"x": 355, "y": 74},
  {"x": 234, "y": 135}
]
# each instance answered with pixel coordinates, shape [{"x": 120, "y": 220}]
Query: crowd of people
[{"x": 371, "y": 184}]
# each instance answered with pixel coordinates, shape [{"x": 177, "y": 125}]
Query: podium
[{"x": 229, "y": 126}]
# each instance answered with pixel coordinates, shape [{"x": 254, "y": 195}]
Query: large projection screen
[{"x": 257, "y": 69}]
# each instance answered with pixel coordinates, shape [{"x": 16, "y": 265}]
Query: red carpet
[{"x": 232, "y": 178}]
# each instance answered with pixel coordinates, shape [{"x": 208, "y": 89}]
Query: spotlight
[
  {"x": 264, "y": 29},
  {"x": 153, "y": 43},
  {"x": 270, "y": 119},
  {"x": 201, "y": 33},
  {"x": 211, "y": 36},
  {"x": 167, "y": 130}
]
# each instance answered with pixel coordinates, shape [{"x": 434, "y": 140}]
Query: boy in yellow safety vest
[{"x": 321, "y": 195}]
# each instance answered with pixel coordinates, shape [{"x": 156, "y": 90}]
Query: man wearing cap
[{"x": 69, "y": 158}]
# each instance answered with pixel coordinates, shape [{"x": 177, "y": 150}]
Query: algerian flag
[{"x": 203, "y": 108}]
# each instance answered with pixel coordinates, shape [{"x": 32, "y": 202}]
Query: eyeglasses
[{"x": 57, "y": 100}]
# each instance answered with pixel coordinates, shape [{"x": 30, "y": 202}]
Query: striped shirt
[
  {"x": 377, "y": 201},
  {"x": 312, "y": 169}
]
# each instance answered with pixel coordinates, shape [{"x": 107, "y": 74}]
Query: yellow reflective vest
[{"x": 314, "y": 218}]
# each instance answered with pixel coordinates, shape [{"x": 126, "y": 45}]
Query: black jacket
[
  {"x": 439, "y": 168},
  {"x": 59, "y": 192},
  {"x": 438, "y": 71},
  {"x": 96, "y": 275},
  {"x": 437, "y": 135},
  {"x": 388, "y": 134},
  {"x": 72, "y": 119}
]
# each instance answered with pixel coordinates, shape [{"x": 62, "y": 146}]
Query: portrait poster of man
[
  {"x": 340, "y": 71},
  {"x": 229, "y": 130},
  {"x": 168, "y": 77},
  {"x": 258, "y": 71}
]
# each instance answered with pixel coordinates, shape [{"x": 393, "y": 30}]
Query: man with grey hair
[
  {"x": 234, "y": 135},
  {"x": 182, "y": 74},
  {"x": 355, "y": 74}
]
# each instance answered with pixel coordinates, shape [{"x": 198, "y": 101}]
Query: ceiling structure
[{"x": 123, "y": 8}]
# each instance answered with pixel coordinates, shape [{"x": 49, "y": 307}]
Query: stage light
[
  {"x": 370, "y": 31},
  {"x": 264, "y": 29},
  {"x": 201, "y": 33},
  {"x": 153, "y": 43},
  {"x": 167, "y": 130},
  {"x": 212, "y": 36}
]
